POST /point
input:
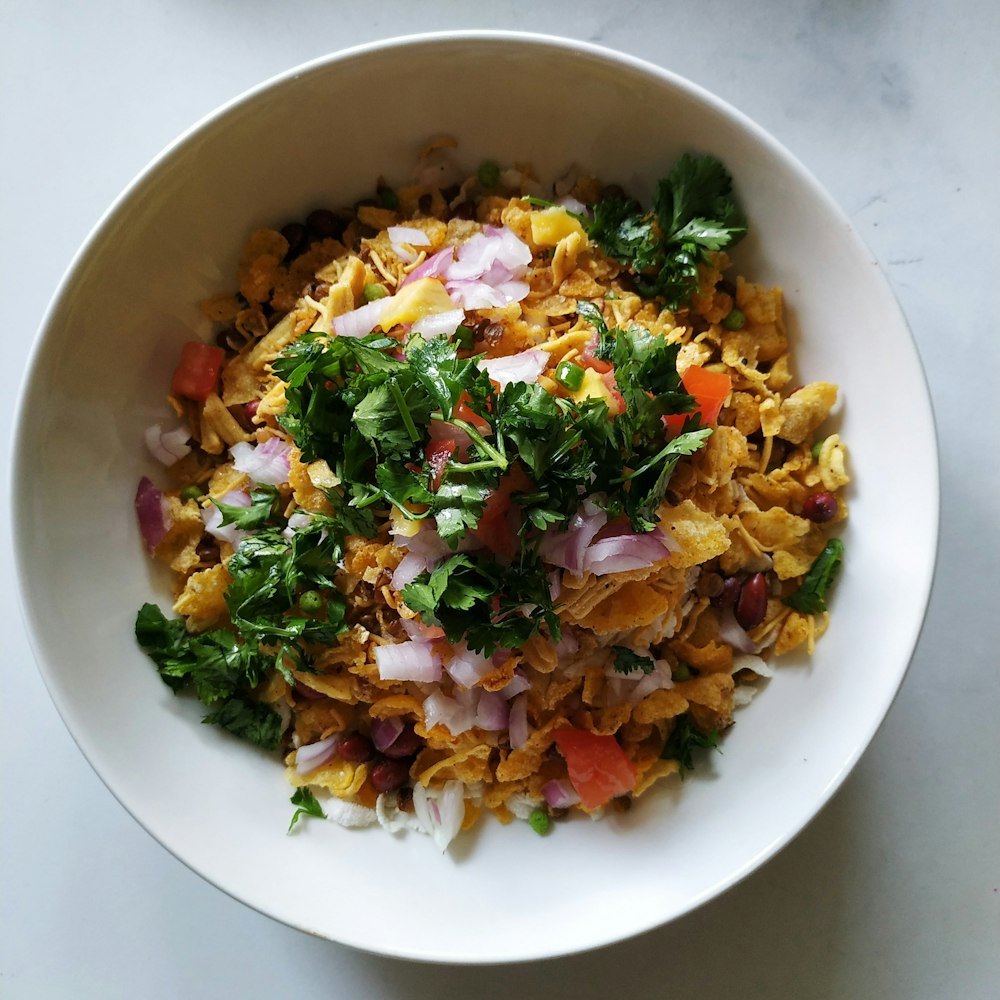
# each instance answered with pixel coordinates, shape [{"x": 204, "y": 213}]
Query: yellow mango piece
[
  {"x": 593, "y": 387},
  {"x": 551, "y": 225},
  {"x": 423, "y": 297}
]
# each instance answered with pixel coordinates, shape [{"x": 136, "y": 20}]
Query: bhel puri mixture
[{"x": 491, "y": 499}]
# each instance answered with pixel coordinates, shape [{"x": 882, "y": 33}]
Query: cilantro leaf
[
  {"x": 810, "y": 597},
  {"x": 262, "y": 500},
  {"x": 684, "y": 739},
  {"x": 627, "y": 660},
  {"x": 483, "y": 602},
  {"x": 694, "y": 213},
  {"x": 215, "y": 663},
  {"x": 307, "y": 806},
  {"x": 250, "y": 720},
  {"x": 218, "y": 665}
]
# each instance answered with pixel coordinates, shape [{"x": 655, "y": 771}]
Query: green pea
[
  {"x": 310, "y": 601},
  {"x": 735, "y": 320},
  {"x": 489, "y": 174},
  {"x": 192, "y": 492},
  {"x": 682, "y": 672},
  {"x": 817, "y": 448},
  {"x": 375, "y": 291},
  {"x": 539, "y": 821}
]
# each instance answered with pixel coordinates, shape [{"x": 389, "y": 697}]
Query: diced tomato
[
  {"x": 494, "y": 529},
  {"x": 197, "y": 373},
  {"x": 709, "y": 389},
  {"x": 597, "y": 765},
  {"x": 497, "y": 528},
  {"x": 438, "y": 453},
  {"x": 465, "y": 412},
  {"x": 599, "y": 365}
]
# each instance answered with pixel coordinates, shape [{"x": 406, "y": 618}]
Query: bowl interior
[{"x": 321, "y": 135}]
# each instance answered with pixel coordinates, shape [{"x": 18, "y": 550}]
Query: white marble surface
[{"x": 893, "y": 889}]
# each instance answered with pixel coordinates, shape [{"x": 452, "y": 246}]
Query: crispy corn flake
[{"x": 202, "y": 602}]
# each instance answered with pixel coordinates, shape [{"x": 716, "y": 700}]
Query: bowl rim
[{"x": 19, "y": 500}]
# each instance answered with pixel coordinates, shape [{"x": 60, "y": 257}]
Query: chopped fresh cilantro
[
  {"x": 214, "y": 663},
  {"x": 810, "y": 597},
  {"x": 250, "y": 720},
  {"x": 627, "y": 660},
  {"x": 693, "y": 214},
  {"x": 260, "y": 511},
  {"x": 307, "y": 806},
  {"x": 483, "y": 602},
  {"x": 684, "y": 739}
]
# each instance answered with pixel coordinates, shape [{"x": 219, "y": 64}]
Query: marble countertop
[{"x": 893, "y": 890}]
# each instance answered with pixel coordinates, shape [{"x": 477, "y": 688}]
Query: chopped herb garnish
[
  {"x": 693, "y": 214},
  {"x": 684, "y": 739},
  {"x": 627, "y": 660},
  {"x": 810, "y": 597},
  {"x": 307, "y": 806}
]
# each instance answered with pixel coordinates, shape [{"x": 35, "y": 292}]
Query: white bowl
[{"x": 324, "y": 133}]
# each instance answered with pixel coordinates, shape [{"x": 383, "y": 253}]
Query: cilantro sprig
[
  {"x": 308, "y": 805},
  {"x": 219, "y": 667},
  {"x": 269, "y": 571},
  {"x": 684, "y": 740},
  {"x": 694, "y": 213}
]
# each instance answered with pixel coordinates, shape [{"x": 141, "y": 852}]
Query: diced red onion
[
  {"x": 515, "y": 686},
  {"x": 568, "y": 644},
  {"x": 467, "y": 668},
  {"x": 660, "y": 678},
  {"x": 433, "y": 267},
  {"x": 168, "y": 447},
  {"x": 408, "y": 661},
  {"x": 441, "y": 813},
  {"x": 560, "y": 794},
  {"x": 314, "y": 755},
  {"x": 625, "y": 552},
  {"x": 456, "y": 714},
  {"x": 267, "y": 464},
  {"x": 384, "y": 732},
  {"x": 151, "y": 511},
  {"x": 478, "y": 294},
  {"x": 442, "y": 324},
  {"x": 731, "y": 632},
  {"x": 400, "y": 235},
  {"x": 525, "y": 366},
  {"x": 492, "y": 712},
  {"x": 409, "y": 568},
  {"x": 212, "y": 517},
  {"x": 518, "y": 722},
  {"x": 493, "y": 245},
  {"x": 426, "y": 541},
  {"x": 416, "y": 629},
  {"x": 567, "y": 548},
  {"x": 361, "y": 321}
]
